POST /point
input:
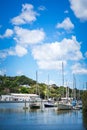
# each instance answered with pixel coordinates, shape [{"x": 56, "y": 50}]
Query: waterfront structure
[
  {"x": 19, "y": 97},
  {"x": 6, "y": 98}
]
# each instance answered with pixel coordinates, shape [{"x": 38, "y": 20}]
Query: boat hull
[
  {"x": 64, "y": 107},
  {"x": 35, "y": 106},
  {"x": 49, "y": 105}
]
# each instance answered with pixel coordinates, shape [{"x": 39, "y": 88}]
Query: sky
[{"x": 42, "y": 36}]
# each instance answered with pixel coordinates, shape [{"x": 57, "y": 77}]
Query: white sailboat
[
  {"x": 65, "y": 103},
  {"x": 77, "y": 104},
  {"x": 49, "y": 102},
  {"x": 36, "y": 103}
]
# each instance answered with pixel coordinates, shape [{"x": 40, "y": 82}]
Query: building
[
  {"x": 25, "y": 85},
  {"x": 6, "y": 98},
  {"x": 19, "y": 97}
]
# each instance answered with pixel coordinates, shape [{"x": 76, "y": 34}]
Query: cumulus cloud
[
  {"x": 50, "y": 55},
  {"x": 13, "y": 51},
  {"x": 28, "y": 15},
  {"x": 20, "y": 51},
  {"x": 79, "y": 8},
  {"x": 8, "y": 33},
  {"x": 24, "y": 38},
  {"x": 55, "y": 65},
  {"x": 66, "y": 24},
  {"x": 27, "y": 37},
  {"x": 79, "y": 69}
]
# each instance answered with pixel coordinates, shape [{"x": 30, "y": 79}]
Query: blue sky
[{"x": 40, "y": 35}]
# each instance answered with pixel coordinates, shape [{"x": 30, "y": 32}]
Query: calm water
[{"x": 14, "y": 117}]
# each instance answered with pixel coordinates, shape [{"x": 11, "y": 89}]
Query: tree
[{"x": 84, "y": 101}]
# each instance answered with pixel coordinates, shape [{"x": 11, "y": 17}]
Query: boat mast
[
  {"x": 36, "y": 82},
  {"x": 66, "y": 90},
  {"x": 63, "y": 77},
  {"x": 48, "y": 88},
  {"x": 86, "y": 85},
  {"x": 74, "y": 87}
]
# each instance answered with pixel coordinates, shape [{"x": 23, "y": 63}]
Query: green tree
[{"x": 84, "y": 101}]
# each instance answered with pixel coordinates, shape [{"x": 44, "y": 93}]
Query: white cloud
[
  {"x": 17, "y": 51},
  {"x": 50, "y": 55},
  {"x": 13, "y": 51},
  {"x": 79, "y": 69},
  {"x": 8, "y": 33},
  {"x": 27, "y": 37},
  {"x": 28, "y": 15},
  {"x": 20, "y": 51},
  {"x": 42, "y": 8},
  {"x": 23, "y": 38},
  {"x": 55, "y": 65},
  {"x": 66, "y": 24},
  {"x": 79, "y": 8}
]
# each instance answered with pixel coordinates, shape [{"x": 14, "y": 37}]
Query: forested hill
[
  {"x": 12, "y": 84},
  {"x": 23, "y": 84},
  {"x": 7, "y": 80}
]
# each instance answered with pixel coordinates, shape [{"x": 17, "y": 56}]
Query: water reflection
[
  {"x": 62, "y": 112},
  {"x": 14, "y": 117}
]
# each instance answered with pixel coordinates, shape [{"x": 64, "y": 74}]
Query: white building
[
  {"x": 25, "y": 85},
  {"x": 6, "y": 98},
  {"x": 19, "y": 97}
]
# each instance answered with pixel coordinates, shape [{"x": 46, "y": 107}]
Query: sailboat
[
  {"x": 36, "y": 103},
  {"x": 65, "y": 103},
  {"x": 77, "y": 104},
  {"x": 49, "y": 102}
]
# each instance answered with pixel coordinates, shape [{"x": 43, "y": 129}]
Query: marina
[
  {"x": 43, "y": 65},
  {"x": 14, "y": 117}
]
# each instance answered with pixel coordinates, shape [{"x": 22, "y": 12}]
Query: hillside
[{"x": 23, "y": 84}]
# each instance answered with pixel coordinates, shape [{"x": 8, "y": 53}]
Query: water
[{"x": 14, "y": 117}]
